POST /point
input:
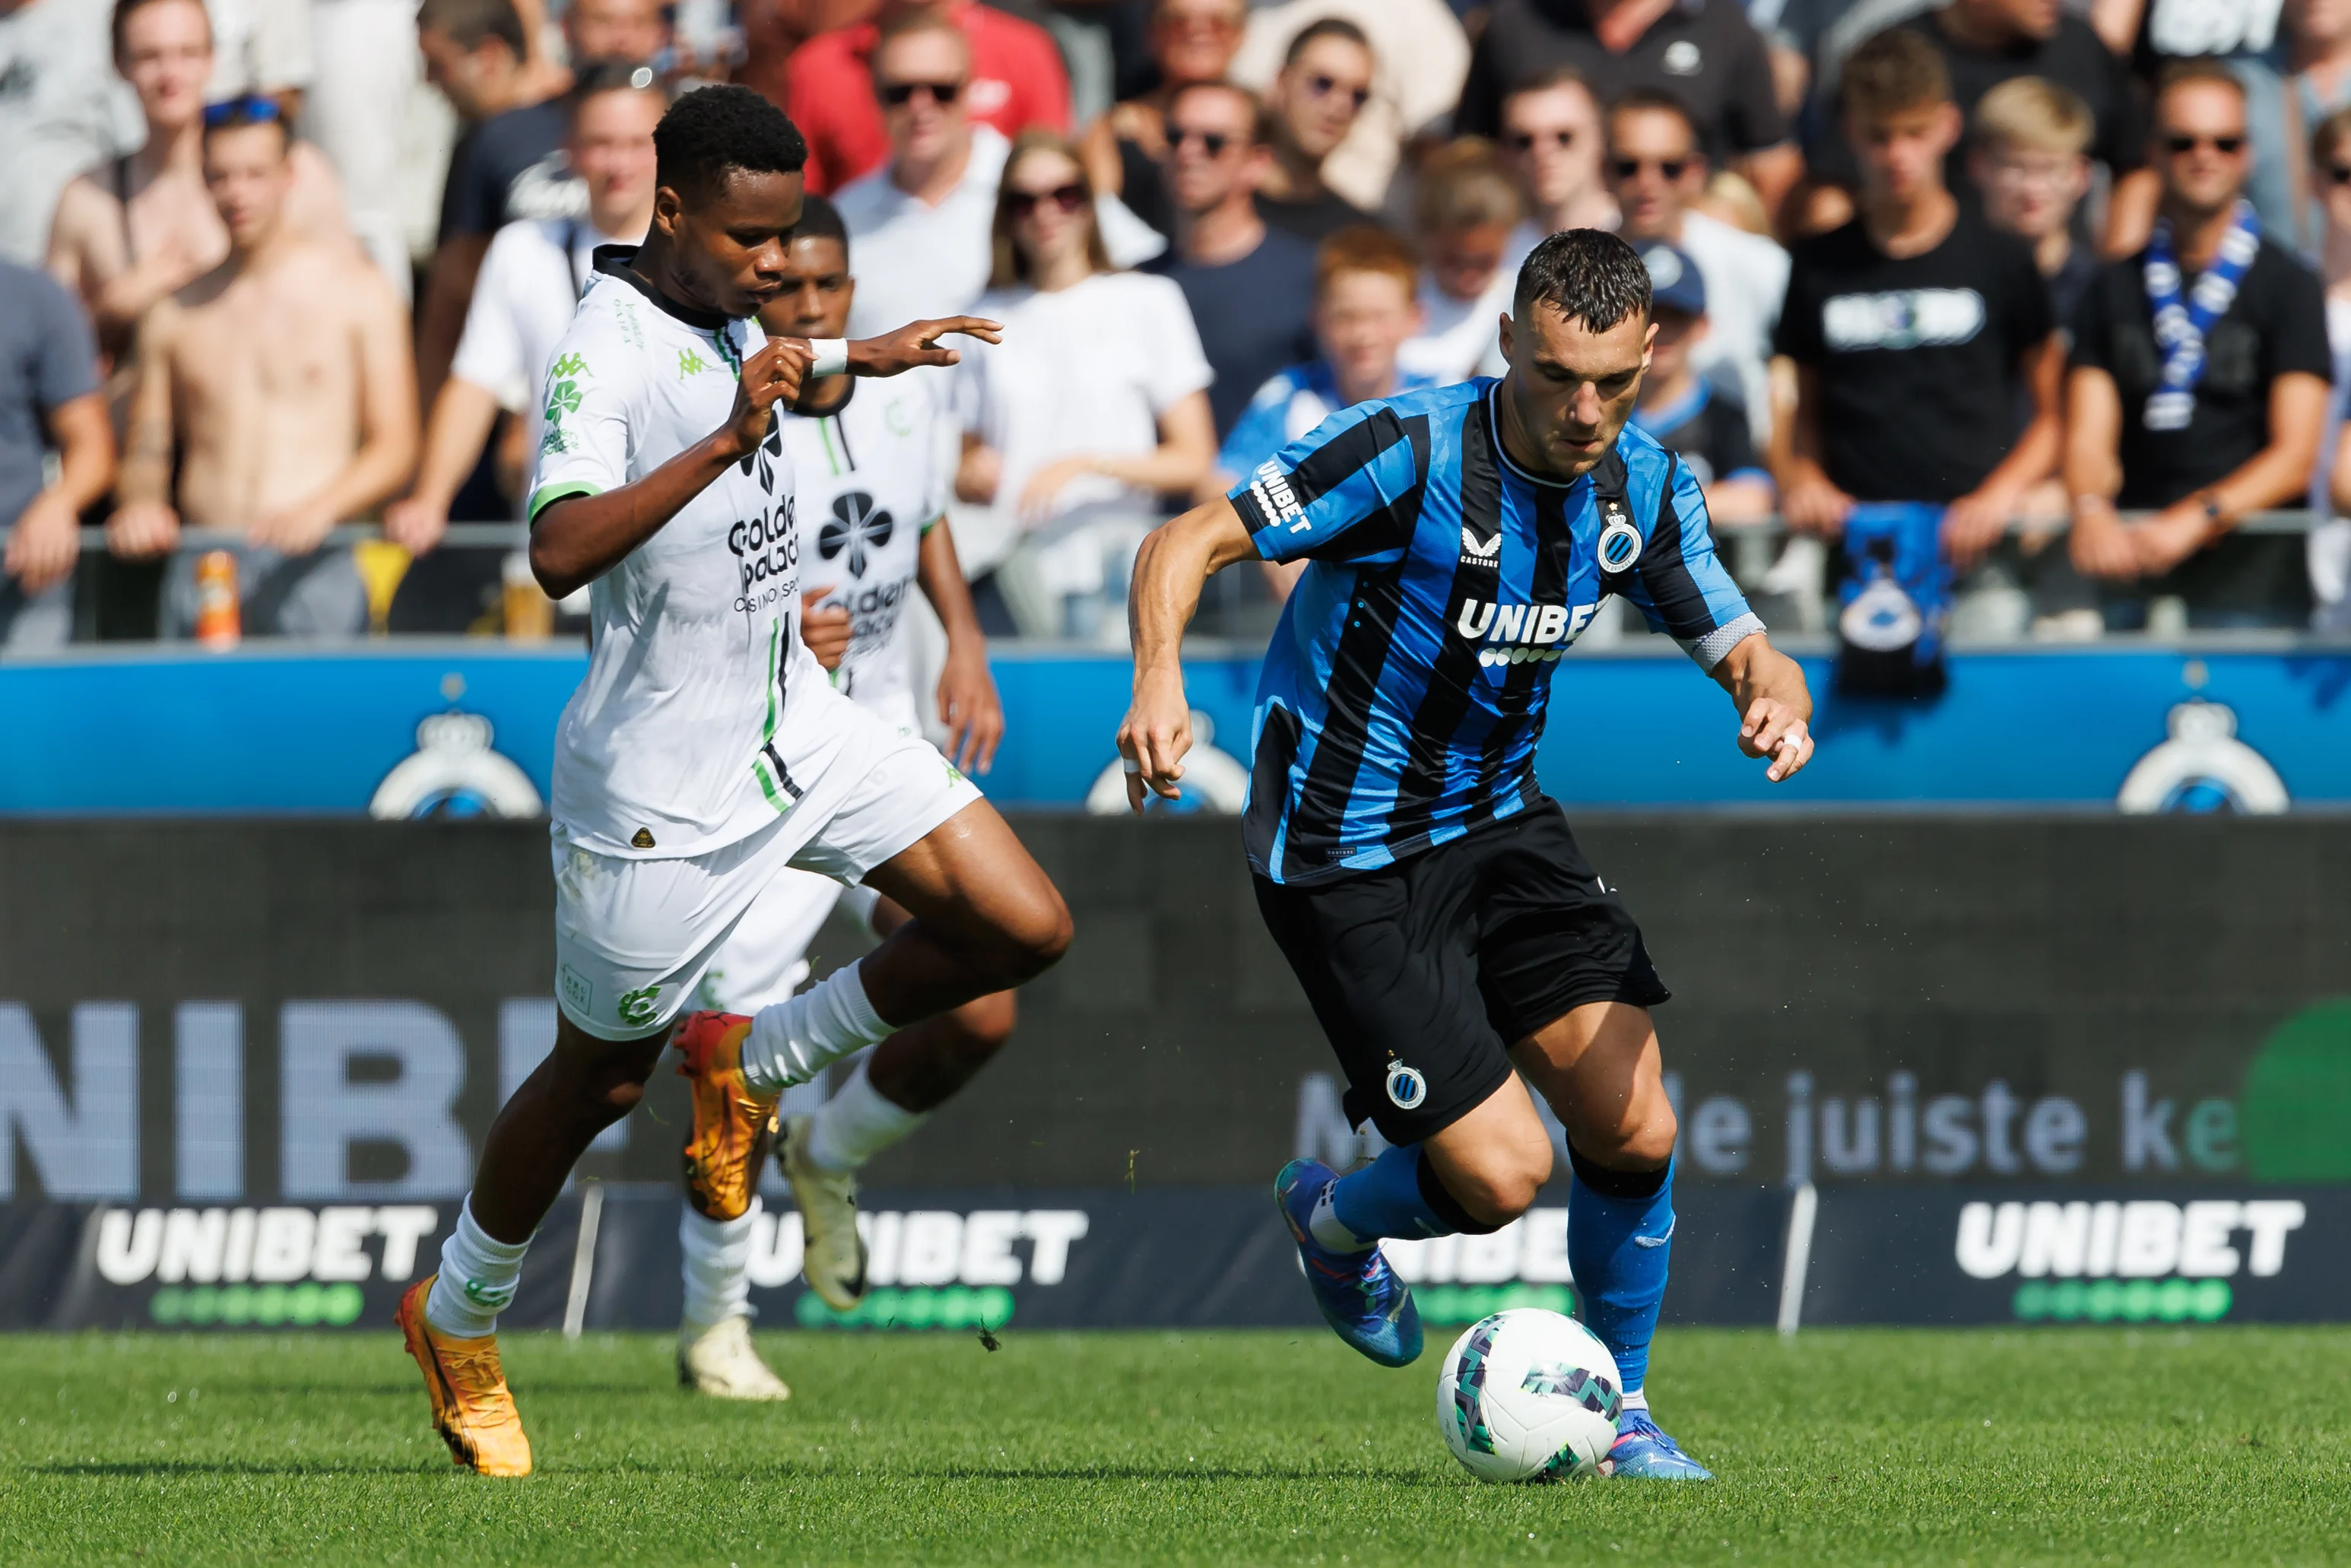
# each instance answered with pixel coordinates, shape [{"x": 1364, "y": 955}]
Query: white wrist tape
[{"x": 831, "y": 356}]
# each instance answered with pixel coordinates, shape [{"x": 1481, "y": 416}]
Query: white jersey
[
  {"x": 702, "y": 708},
  {"x": 868, "y": 490}
]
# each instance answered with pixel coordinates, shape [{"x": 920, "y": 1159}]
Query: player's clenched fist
[
  {"x": 770, "y": 376},
  {"x": 1154, "y": 739},
  {"x": 1775, "y": 730}
]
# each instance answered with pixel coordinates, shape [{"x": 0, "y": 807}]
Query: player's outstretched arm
[
  {"x": 1177, "y": 560},
  {"x": 577, "y": 539},
  {"x": 1775, "y": 707}
]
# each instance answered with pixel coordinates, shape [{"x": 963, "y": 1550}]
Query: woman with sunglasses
[
  {"x": 1191, "y": 41},
  {"x": 1092, "y": 407}
]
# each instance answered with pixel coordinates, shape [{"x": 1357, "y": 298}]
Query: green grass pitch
[{"x": 2048, "y": 1446}]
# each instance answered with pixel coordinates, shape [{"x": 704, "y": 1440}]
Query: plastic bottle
[{"x": 219, "y": 622}]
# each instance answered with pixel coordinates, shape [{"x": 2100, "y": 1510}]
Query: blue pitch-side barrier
[{"x": 304, "y": 730}]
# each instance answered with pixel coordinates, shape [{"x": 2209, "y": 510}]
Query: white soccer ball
[{"x": 1529, "y": 1395}]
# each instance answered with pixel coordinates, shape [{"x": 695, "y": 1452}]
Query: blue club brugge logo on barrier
[
  {"x": 454, "y": 773},
  {"x": 2203, "y": 768},
  {"x": 1620, "y": 543},
  {"x": 1406, "y": 1087}
]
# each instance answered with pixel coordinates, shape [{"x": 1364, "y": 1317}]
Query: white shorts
[{"x": 633, "y": 938}]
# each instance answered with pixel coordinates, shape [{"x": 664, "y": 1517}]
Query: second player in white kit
[{"x": 869, "y": 495}]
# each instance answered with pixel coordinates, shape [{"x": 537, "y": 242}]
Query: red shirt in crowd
[{"x": 1017, "y": 81}]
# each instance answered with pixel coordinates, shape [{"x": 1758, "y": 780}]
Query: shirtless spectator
[
  {"x": 130, "y": 232},
  {"x": 1126, "y": 149},
  {"x": 283, "y": 375},
  {"x": 1324, "y": 84}
]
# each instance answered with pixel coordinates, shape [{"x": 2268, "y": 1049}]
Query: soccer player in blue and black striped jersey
[{"x": 1430, "y": 897}]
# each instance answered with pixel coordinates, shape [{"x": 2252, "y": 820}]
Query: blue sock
[
  {"x": 1390, "y": 1197},
  {"x": 1618, "y": 1228}
]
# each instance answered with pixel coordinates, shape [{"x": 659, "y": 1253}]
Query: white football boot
[
  {"x": 833, "y": 1258},
  {"x": 719, "y": 1360}
]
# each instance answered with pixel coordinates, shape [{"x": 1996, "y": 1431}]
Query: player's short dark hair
[
  {"x": 1653, "y": 101},
  {"x": 714, "y": 129},
  {"x": 1589, "y": 274},
  {"x": 125, "y": 10},
  {"x": 1893, "y": 73},
  {"x": 820, "y": 219},
  {"x": 1328, "y": 28},
  {"x": 470, "y": 24},
  {"x": 597, "y": 78}
]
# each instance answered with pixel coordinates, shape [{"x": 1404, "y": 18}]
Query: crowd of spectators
[{"x": 2078, "y": 278}]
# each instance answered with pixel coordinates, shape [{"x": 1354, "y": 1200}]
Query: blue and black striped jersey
[{"x": 1402, "y": 698}]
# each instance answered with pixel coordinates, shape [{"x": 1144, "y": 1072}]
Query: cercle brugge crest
[{"x": 1620, "y": 541}]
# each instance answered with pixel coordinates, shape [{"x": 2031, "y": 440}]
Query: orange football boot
[
  {"x": 733, "y": 1122},
  {"x": 473, "y": 1409}
]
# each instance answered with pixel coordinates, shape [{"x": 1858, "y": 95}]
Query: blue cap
[{"x": 1674, "y": 281}]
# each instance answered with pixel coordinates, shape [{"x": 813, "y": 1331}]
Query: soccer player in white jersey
[
  {"x": 871, "y": 501},
  {"x": 706, "y": 751}
]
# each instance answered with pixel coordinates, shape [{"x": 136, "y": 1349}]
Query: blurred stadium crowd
[{"x": 278, "y": 278}]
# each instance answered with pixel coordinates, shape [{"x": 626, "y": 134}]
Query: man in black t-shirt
[
  {"x": 1911, "y": 325},
  {"x": 1324, "y": 82},
  {"x": 1251, "y": 287},
  {"x": 2201, "y": 444},
  {"x": 1703, "y": 52},
  {"x": 1987, "y": 42}
]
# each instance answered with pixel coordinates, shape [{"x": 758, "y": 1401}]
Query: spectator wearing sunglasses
[
  {"x": 1322, "y": 86},
  {"x": 1655, "y": 171},
  {"x": 1704, "y": 52},
  {"x": 1251, "y": 287},
  {"x": 920, "y": 222},
  {"x": 1126, "y": 149},
  {"x": 1092, "y": 407},
  {"x": 1419, "y": 54},
  {"x": 275, "y": 398},
  {"x": 1015, "y": 79},
  {"x": 1551, "y": 142},
  {"x": 2218, "y": 418}
]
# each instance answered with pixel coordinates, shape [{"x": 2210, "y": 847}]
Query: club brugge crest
[
  {"x": 1620, "y": 541},
  {"x": 1406, "y": 1087},
  {"x": 454, "y": 773},
  {"x": 2203, "y": 768}
]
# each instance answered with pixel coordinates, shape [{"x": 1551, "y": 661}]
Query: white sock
[
  {"x": 718, "y": 1267},
  {"x": 1325, "y": 1227},
  {"x": 1636, "y": 1399},
  {"x": 797, "y": 1038},
  {"x": 858, "y": 1124},
  {"x": 477, "y": 1279}
]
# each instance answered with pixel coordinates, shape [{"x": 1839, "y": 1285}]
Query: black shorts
[{"x": 1424, "y": 972}]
